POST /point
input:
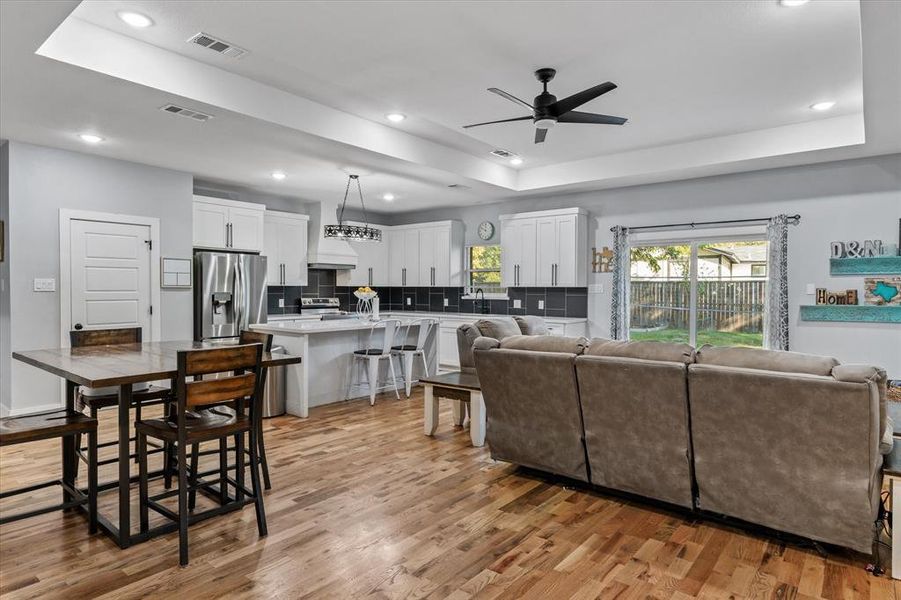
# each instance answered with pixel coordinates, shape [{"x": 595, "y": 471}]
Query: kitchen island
[{"x": 327, "y": 349}]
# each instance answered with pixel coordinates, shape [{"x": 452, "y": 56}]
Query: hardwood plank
[{"x": 364, "y": 506}]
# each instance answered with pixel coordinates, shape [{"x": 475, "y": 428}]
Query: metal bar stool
[
  {"x": 372, "y": 356},
  {"x": 56, "y": 424},
  {"x": 426, "y": 327}
]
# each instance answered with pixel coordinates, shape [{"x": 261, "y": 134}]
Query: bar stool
[
  {"x": 97, "y": 400},
  {"x": 372, "y": 356},
  {"x": 56, "y": 424},
  {"x": 410, "y": 351},
  {"x": 238, "y": 386}
]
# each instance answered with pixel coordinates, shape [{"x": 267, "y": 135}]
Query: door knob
[{"x": 79, "y": 326}]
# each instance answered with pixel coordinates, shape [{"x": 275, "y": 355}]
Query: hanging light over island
[{"x": 353, "y": 233}]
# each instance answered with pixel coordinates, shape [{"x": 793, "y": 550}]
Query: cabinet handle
[
  {"x": 370, "y": 275},
  {"x": 403, "y": 276},
  {"x": 284, "y": 274},
  {"x": 432, "y": 269}
]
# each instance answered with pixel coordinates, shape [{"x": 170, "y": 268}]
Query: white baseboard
[{"x": 18, "y": 412}]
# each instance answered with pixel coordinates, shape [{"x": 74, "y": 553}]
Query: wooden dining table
[{"x": 122, "y": 366}]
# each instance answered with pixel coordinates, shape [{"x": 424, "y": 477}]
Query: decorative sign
[
  {"x": 175, "y": 273},
  {"x": 864, "y": 249},
  {"x": 882, "y": 290},
  {"x": 601, "y": 262},
  {"x": 842, "y": 298}
]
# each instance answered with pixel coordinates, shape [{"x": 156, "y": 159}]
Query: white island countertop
[{"x": 330, "y": 326}]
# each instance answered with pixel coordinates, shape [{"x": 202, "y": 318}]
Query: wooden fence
[{"x": 730, "y": 305}]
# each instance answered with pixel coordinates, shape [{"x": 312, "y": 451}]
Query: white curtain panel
[
  {"x": 775, "y": 326},
  {"x": 619, "y": 313}
]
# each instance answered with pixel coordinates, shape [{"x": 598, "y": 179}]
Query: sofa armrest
[
  {"x": 485, "y": 343},
  {"x": 878, "y": 381}
]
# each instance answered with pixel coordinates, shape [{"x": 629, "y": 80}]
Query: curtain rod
[{"x": 792, "y": 220}]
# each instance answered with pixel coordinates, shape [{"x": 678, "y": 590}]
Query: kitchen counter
[
  {"x": 474, "y": 316},
  {"x": 327, "y": 349}
]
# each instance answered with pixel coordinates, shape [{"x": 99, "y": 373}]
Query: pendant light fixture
[{"x": 353, "y": 233}]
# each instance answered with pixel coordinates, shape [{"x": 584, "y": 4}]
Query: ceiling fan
[{"x": 548, "y": 111}]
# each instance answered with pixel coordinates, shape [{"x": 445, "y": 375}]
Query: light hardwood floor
[{"x": 365, "y": 506}]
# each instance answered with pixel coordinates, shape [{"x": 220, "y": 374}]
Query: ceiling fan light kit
[
  {"x": 353, "y": 233},
  {"x": 547, "y": 111}
]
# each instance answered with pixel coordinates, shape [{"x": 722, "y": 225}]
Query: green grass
[{"x": 717, "y": 338}]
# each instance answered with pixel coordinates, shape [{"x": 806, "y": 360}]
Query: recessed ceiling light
[
  {"x": 516, "y": 161},
  {"x": 395, "y": 117},
  {"x": 389, "y": 197},
  {"x": 90, "y": 138},
  {"x": 278, "y": 175},
  {"x": 791, "y": 3},
  {"x": 822, "y": 105},
  {"x": 135, "y": 19}
]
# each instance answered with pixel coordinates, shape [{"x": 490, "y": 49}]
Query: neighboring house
[{"x": 723, "y": 261}]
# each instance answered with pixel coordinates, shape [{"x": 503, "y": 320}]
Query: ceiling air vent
[
  {"x": 186, "y": 112},
  {"x": 502, "y": 153},
  {"x": 217, "y": 45}
]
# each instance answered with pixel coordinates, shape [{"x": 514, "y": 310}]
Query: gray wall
[
  {"x": 846, "y": 200},
  {"x": 41, "y": 182}
]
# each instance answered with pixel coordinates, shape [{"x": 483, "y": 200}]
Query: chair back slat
[
  {"x": 256, "y": 337},
  {"x": 81, "y": 338},
  {"x": 218, "y": 391},
  {"x": 426, "y": 327},
  {"x": 220, "y": 360}
]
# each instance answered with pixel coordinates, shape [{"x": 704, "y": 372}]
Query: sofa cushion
[
  {"x": 647, "y": 350},
  {"x": 767, "y": 360},
  {"x": 545, "y": 343},
  {"x": 485, "y": 343},
  {"x": 531, "y": 325},
  {"x": 466, "y": 336},
  {"x": 498, "y": 327}
]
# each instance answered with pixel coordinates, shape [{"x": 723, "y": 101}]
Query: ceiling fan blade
[
  {"x": 501, "y": 121},
  {"x": 578, "y": 99},
  {"x": 574, "y": 116},
  {"x": 540, "y": 134},
  {"x": 510, "y": 97}
]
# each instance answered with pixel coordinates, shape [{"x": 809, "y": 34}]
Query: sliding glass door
[{"x": 699, "y": 292}]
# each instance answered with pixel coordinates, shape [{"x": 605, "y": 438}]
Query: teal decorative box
[
  {"x": 874, "y": 265},
  {"x": 862, "y": 313}
]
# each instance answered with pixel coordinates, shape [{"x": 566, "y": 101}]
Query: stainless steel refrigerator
[{"x": 229, "y": 293}]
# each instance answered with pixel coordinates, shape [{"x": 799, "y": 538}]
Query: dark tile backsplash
[{"x": 558, "y": 302}]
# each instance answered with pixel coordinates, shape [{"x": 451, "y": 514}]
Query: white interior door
[{"x": 109, "y": 276}]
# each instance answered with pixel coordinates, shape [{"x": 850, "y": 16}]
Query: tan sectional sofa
[{"x": 784, "y": 440}]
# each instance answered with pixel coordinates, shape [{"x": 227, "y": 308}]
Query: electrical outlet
[
  {"x": 44, "y": 285},
  {"x": 446, "y": 302},
  {"x": 541, "y": 305},
  {"x": 811, "y": 289},
  {"x": 409, "y": 301},
  {"x": 517, "y": 303},
  {"x": 281, "y": 303}
]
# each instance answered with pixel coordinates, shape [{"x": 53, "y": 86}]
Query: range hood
[{"x": 327, "y": 253}]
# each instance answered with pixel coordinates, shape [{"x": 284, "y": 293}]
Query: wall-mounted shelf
[
  {"x": 874, "y": 265},
  {"x": 861, "y": 313}
]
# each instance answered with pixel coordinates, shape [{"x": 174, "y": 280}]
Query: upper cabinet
[
  {"x": 403, "y": 256},
  {"x": 285, "y": 246},
  {"x": 545, "y": 249},
  {"x": 228, "y": 225},
  {"x": 440, "y": 254}
]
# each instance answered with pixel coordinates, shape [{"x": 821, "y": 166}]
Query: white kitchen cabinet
[
  {"x": 441, "y": 254},
  {"x": 228, "y": 225},
  {"x": 285, "y": 246},
  {"x": 372, "y": 263},
  {"x": 403, "y": 256},
  {"x": 545, "y": 249}
]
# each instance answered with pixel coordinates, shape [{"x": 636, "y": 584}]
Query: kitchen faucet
[{"x": 483, "y": 307}]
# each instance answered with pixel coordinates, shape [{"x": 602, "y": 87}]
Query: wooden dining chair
[
  {"x": 196, "y": 420},
  {"x": 108, "y": 398},
  {"x": 246, "y": 337},
  {"x": 51, "y": 425}
]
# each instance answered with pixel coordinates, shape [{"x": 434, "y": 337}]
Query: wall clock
[{"x": 486, "y": 230}]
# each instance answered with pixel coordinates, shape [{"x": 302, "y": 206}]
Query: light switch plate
[
  {"x": 541, "y": 305},
  {"x": 409, "y": 301},
  {"x": 446, "y": 302},
  {"x": 44, "y": 284},
  {"x": 811, "y": 289},
  {"x": 281, "y": 303},
  {"x": 517, "y": 303},
  {"x": 596, "y": 288}
]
